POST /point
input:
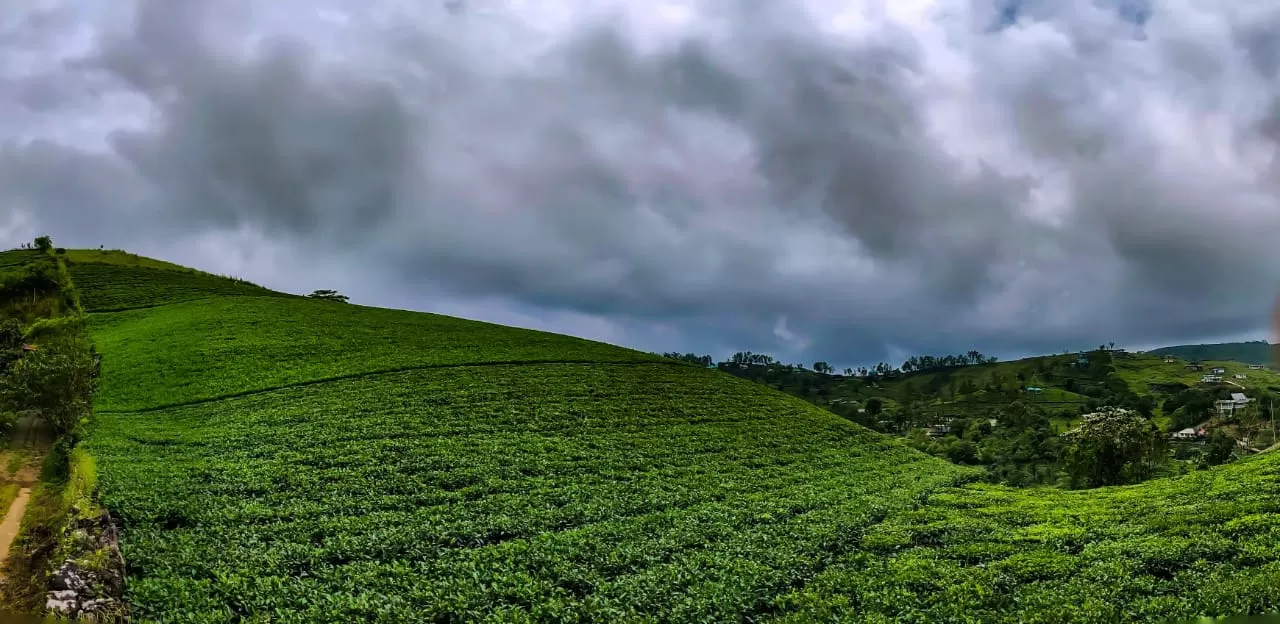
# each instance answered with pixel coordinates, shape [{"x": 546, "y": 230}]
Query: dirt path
[{"x": 12, "y": 519}]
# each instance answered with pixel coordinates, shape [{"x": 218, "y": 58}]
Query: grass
[
  {"x": 113, "y": 287},
  {"x": 290, "y": 460},
  {"x": 1138, "y": 371},
  {"x": 201, "y": 350},
  {"x": 476, "y": 489},
  {"x": 8, "y": 492},
  {"x": 116, "y": 257}
]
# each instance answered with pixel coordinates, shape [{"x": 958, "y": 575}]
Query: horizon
[{"x": 804, "y": 179}]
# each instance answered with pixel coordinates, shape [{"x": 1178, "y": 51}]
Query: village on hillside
[{"x": 1016, "y": 417}]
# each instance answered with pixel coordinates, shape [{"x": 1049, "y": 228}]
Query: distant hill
[{"x": 1256, "y": 352}]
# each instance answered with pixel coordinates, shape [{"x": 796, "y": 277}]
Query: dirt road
[{"x": 12, "y": 519}]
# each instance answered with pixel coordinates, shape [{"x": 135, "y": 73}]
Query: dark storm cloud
[{"x": 754, "y": 178}]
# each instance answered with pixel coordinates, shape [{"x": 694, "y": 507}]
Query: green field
[
  {"x": 113, "y": 287},
  {"x": 287, "y": 460}
]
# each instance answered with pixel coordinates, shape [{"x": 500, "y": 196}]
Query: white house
[
  {"x": 1241, "y": 376},
  {"x": 1228, "y": 407},
  {"x": 1211, "y": 379},
  {"x": 1189, "y": 434},
  {"x": 1256, "y": 367},
  {"x": 1218, "y": 370}
]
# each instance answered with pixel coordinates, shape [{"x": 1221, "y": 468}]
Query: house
[
  {"x": 937, "y": 431},
  {"x": 1228, "y": 407},
  {"x": 1189, "y": 434},
  {"x": 1193, "y": 367},
  {"x": 1256, "y": 367},
  {"x": 1218, "y": 370},
  {"x": 1211, "y": 379},
  {"x": 1241, "y": 376},
  {"x": 1169, "y": 359}
]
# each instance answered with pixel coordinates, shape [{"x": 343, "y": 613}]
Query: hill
[
  {"x": 275, "y": 458},
  {"x": 1258, "y": 352}
]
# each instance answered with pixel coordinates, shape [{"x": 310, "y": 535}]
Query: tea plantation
[{"x": 280, "y": 459}]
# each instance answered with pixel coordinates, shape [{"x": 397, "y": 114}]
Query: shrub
[{"x": 58, "y": 380}]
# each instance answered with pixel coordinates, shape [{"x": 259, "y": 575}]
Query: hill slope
[
  {"x": 312, "y": 461},
  {"x": 1259, "y": 352}
]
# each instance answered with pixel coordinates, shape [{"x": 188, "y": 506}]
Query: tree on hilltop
[
  {"x": 44, "y": 243},
  {"x": 329, "y": 295}
]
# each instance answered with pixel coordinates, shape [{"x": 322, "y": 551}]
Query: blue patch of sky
[{"x": 1008, "y": 12}]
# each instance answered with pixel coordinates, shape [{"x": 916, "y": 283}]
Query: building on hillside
[
  {"x": 1218, "y": 370},
  {"x": 1034, "y": 389},
  {"x": 1189, "y": 434},
  {"x": 937, "y": 431},
  {"x": 1241, "y": 376},
  {"x": 1230, "y": 407},
  {"x": 1211, "y": 379},
  {"x": 1194, "y": 367},
  {"x": 1169, "y": 359},
  {"x": 1256, "y": 367}
]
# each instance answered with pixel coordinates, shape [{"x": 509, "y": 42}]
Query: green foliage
[
  {"x": 329, "y": 295},
  {"x": 1113, "y": 447},
  {"x": 693, "y": 358},
  {"x": 43, "y": 244},
  {"x": 58, "y": 379},
  {"x": 206, "y": 349},
  {"x": 11, "y": 341},
  {"x": 1254, "y": 352},
  {"x": 1219, "y": 448},
  {"x": 111, "y": 287},
  {"x": 331, "y": 474},
  {"x": 597, "y": 490}
]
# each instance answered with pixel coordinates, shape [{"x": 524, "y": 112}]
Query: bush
[
  {"x": 58, "y": 380},
  {"x": 44, "y": 243}
]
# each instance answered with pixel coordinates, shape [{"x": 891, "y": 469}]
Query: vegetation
[
  {"x": 1010, "y": 417},
  {"x": 114, "y": 287},
  {"x": 1113, "y": 447},
  {"x": 203, "y": 350},
  {"x": 329, "y": 295},
  {"x": 1254, "y": 352},
  {"x": 58, "y": 379},
  {"x": 285, "y": 459},
  {"x": 48, "y": 369}
]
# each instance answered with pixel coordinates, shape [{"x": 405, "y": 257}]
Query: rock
[{"x": 62, "y": 602}]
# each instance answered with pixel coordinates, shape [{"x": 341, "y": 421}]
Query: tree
[
  {"x": 58, "y": 379},
  {"x": 1219, "y": 448},
  {"x": 44, "y": 243},
  {"x": 1113, "y": 446},
  {"x": 823, "y": 367},
  {"x": 10, "y": 343},
  {"x": 329, "y": 295},
  {"x": 874, "y": 406}
]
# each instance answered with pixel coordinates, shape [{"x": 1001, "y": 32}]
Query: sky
[{"x": 838, "y": 180}]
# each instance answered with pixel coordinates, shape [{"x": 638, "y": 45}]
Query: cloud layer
[{"x": 819, "y": 179}]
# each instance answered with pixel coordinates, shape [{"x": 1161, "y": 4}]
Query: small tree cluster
[
  {"x": 329, "y": 295},
  {"x": 58, "y": 379},
  {"x": 1113, "y": 446}
]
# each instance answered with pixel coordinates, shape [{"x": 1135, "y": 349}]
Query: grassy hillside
[
  {"x": 1259, "y": 352},
  {"x": 289, "y": 460},
  {"x": 115, "y": 280}
]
